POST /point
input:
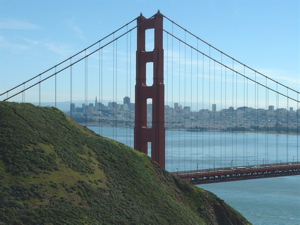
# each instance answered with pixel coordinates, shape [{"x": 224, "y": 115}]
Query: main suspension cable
[
  {"x": 255, "y": 81},
  {"x": 72, "y": 57},
  {"x": 229, "y": 55},
  {"x": 57, "y": 72}
]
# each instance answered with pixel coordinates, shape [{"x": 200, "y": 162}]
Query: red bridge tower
[{"x": 142, "y": 133}]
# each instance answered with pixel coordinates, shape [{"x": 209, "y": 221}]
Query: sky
[{"x": 37, "y": 34}]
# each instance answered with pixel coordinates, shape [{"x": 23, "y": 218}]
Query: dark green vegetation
[{"x": 54, "y": 171}]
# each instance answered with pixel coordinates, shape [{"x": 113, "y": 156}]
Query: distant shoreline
[{"x": 188, "y": 130}]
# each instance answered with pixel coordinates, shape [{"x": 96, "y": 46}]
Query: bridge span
[
  {"x": 182, "y": 83},
  {"x": 239, "y": 173}
]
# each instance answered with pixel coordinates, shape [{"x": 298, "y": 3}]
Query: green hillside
[{"x": 55, "y": 171}]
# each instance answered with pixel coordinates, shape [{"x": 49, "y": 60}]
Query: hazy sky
[{"x": 35, "y": 35}]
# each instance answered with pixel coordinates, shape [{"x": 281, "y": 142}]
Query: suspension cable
[
  {"x": 57, "y": 72},
  {"x": 73, "y": 56},
  {"x": 255, "y": 81},
  {"x": 230, "y": 56}
]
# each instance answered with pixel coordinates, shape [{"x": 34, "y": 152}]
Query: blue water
[{"x": 262, "y": 201}]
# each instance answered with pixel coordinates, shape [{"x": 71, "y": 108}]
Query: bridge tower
[{"x": 142, "y": 133}]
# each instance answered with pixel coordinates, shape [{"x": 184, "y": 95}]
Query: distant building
[
  {"x": 112, "y": 105},
  {"x": 214, "y": 107},
  {"x": 271, "y": 107},
  {"x": 72, "y": 107},
  {"x": 187, "y": 109},
  {"x": 126, "y": 100},
  {"x": 175, "y": 106}
]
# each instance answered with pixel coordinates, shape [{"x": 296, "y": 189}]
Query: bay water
[{"x": 262, "y": 201}]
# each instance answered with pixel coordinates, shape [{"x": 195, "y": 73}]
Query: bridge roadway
[{"x": 239, "y": 173}]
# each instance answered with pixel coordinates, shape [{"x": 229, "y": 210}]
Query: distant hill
[{"x": 55, "y": 171}]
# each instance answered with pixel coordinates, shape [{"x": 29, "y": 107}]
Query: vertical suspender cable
[
  {"x": 191, "y": 93},
  {"x": 55, "y": 84},
  {"x": 172, "y": 91},
  {"x": 184, "y": 100},
  {"x": 180, "y": 111},
  {"x": 113, "y": 89},
  {"x": 267, "y": 123},
  {"x": 209, "y": 107},
  {"x": 40, "y": 91},
  {"x": 127, "y": 86},
  {"x": 287, "y": 125},
  {"x": 197, "y": 99},
  {"x": 232, "y": 115},
  {"x": 166, "y": 68},
  {"x": 102, "y": 82},
  {"x": 99, "y": 84},
  {"x": 244, "y": 120},
  {"x": 297, "y": 126},
  {"x": 277, "y": 122},
  {"x": 202, "y": 120},
  {"x": 234, "y": 135},
  {"x": 257, "y": 124},
  {"x": 214, "y": 117},
  {"x": 255, "y": 107},
  {"x": 99, "y": 106},
  {"x": 71, "y": 100},
  {"x": 221, "y": 114},
  {"x": 86, "y": 88},
  {"x": 130, "y": 87},
  {"x": 116, "y": 97},
  {"x": 172, "y": 97},
  {"x": 128, "y": 50},
  {"x": 225, "y": 116},
  {"x": 166, "y": 65},
  {"x": 236, "y": 117}
]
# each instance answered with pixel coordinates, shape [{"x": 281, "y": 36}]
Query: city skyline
[
  {"x": 36, "y": 44},
  {"x": 176, "y": 105},
  {"x": 179, "y": 117}
]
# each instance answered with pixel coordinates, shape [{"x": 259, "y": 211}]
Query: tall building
[
  {"x": 175, "y": 106},
  {"x": 271, "y": 107},
  {"x": 214, "y": 107},
  {"x": 72, "y": 108},
  {"x": 126, "y": 100}
]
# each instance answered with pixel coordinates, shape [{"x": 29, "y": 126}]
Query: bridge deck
[{"x": 240, "y": 173}]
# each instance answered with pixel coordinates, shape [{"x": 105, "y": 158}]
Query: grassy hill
[{"x": 55, "y": 171}]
